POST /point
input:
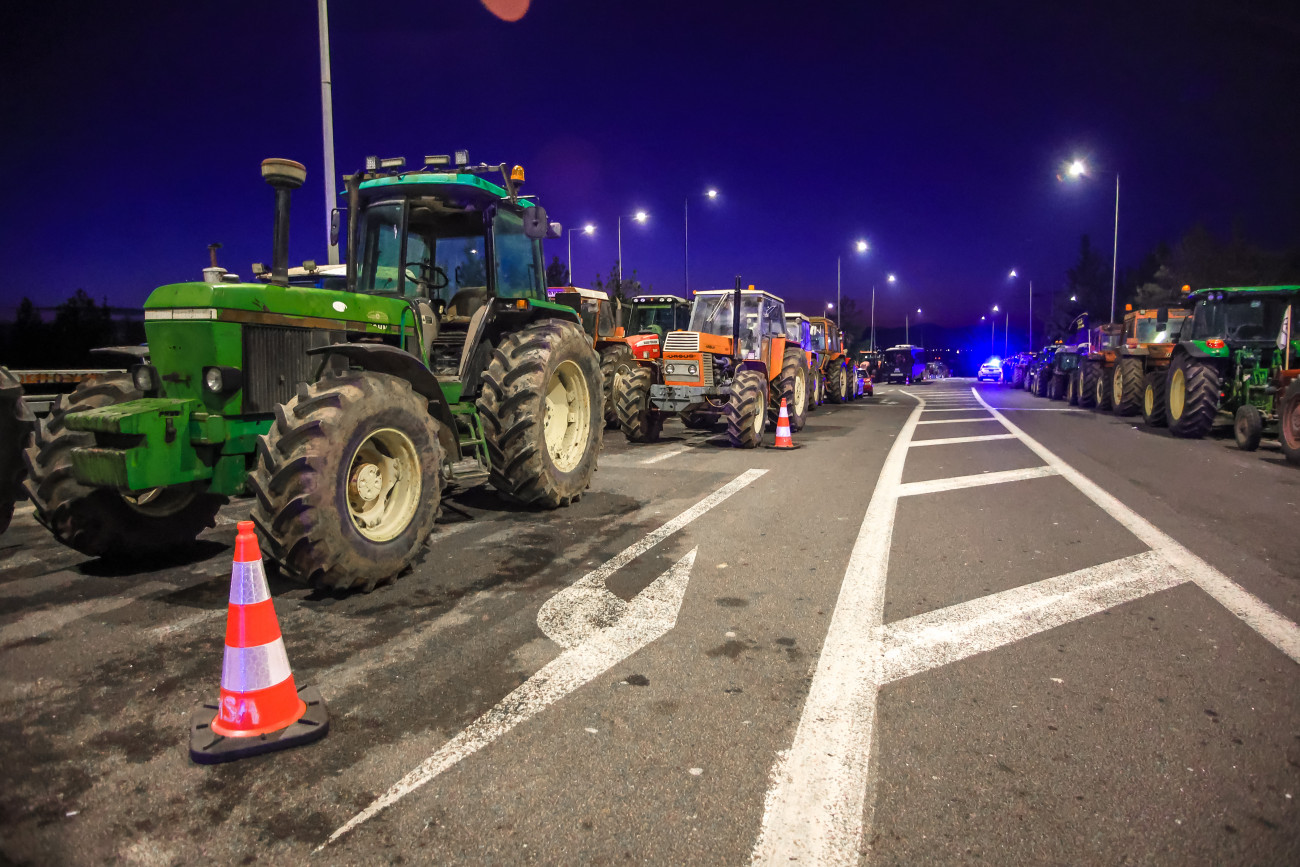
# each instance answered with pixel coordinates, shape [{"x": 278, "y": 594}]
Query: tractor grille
[
  {"x": 275, "y": 361},
  {"x": 707, "y": 369},
  {"x": 682, "y": 341}
]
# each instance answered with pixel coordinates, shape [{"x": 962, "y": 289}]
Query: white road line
[
  {"x": 951, "y": 634},
  {"x": 959, "y": 409},
  {"x": 663, "y": 457},
  {"x": 953, "y": 483},
  {"x": 957, "y": 420},
  {"x": 948, "y": 441},
  {"x": 573, "y": 614},
  {"x": 1279, "y": 631},
  {"x": 650, "y": 614},
  {"x": 813, "y": 811},
  {"x": 1042, "y": 409}
]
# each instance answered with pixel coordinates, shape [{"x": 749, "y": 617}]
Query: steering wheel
[{"x": 431, "y": 276}]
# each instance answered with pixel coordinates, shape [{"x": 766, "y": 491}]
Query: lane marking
[
  {"x": 949, "y": 635},
  {"x": 813, "y": 810},
  {"x": 650, "y": 614},
  {"x": 1042, "y": 409},
  {"x": 948, "y": 441},
  {"x": 579, "y": 610},
  {"x": 958, "y": 409},
  {"x": 1254, "y": 612},
  {"x": 953, "y": 483},
  {"x": 957, "y": 420},
  {"x": 665, "y": 456}
]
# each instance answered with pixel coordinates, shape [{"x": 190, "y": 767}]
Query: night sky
[{"x": 132, "y": 134}]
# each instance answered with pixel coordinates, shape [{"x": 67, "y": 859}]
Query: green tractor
[
  {"x": 1230, "y": 358},
  {"x": 343, "y": 411}
]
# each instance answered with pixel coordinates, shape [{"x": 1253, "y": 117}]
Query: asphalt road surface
[{"x": 956, "y": 625}]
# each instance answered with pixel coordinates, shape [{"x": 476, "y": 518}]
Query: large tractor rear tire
[
  {"x": 1056, "y": 386},
  {"x": 348, "y": 481},
  {"x": 835, "y": 382},
  {"x": 1042, "y": 382},
  {"x": 1191, "y": 397},
  {"x": 1088, "y": 372},
  {"x": 1017, "y": 377},
  {"x": 615, "y": 362},
  {"x": 810, "y": 384},
  {"x": 102, "y": 522},
  {"x": 542, "y": 414},
  {"x": 747, "y": 409},
  {"x": 1153, "y": 399},
  {"x": 639, "y": 421},
  {"x": 1248, "y": 427},
  {"x": 1101, "y": 393},
  {"x": 1072, "y": 388},
  {"x": 1288, "y": 433},
  {"x": 16, "y": 426},
  {"x": 791, "y": 384},
  {"x": 1126, "y": 386}
]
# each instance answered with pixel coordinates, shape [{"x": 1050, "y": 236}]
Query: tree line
[{"x": 78, "y": 325}]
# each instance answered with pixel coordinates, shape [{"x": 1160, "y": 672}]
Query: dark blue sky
[{"x": 133, "y": 133}]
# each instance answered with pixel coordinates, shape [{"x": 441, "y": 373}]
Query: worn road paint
[
  {"x": 976, "y": 480},
  {"x": 1254, "y": 612},
  {"x": 650, "y": 614},
  {"x": 663, "y": 457},
  {"x": 951, "y": 441},
  {"x": 957, "y": 420},
  {"x": 813, "y": 809},
  {"x": 585, "y": 606}
]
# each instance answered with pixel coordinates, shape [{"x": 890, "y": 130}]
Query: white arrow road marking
[
  {"x": 578, "y": 611},
  {"x": 650, "y": 614}
]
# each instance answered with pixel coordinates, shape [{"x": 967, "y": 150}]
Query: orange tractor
[
  {"x": 734, "y": 363},
  {"x": 600, "y": 319},
  {"x": 798, "y": 329},
  {"x": 838, "y": 373}
]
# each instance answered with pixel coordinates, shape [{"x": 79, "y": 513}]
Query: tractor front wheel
[
  {"x": 1191, "y": 397},
  {"x": 640, "y": 422},
  {"x": 542, "y": 414},
  {"x": 348, "y": 481},
  {"x": 104, "y": 522},
  {"x": 791, "y": 384},
  {"x": 747, "y": 409},
  {"x": 1153, "y": 399},
  {"x": 1248, "y": 426},
  {"x": 1101, "y": 393},
  {"x": 1126, "y": 386},
  {"x": 615, "y": 363},
  {"x": 1088, "y": 384},
  {"x": 1289, "y": 423}
]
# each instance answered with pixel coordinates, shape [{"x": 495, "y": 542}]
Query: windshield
[
  {"x": 519, "y": 260},
  {"x": 1239, "y": 320},
  {"x": 1155, "y": 331},
  {"x": 712, "y": 314},
  {"x": 597, "y": 317},
  {"x": 443, "y": 253},
  {"x": 652, "y": 319},
  {"x": 818, "y": 335}
]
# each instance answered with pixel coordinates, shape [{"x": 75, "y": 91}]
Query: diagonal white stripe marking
[
  {"x": 650, "y": 614},
  {"x": 953, "y": 483},
  {"x": 949, "y": 441},
  {"x": 663, "y": 457},
  {"x": 952, "y": 634},
  {"x": 1279, "y": 631},
  {"x": 957, "y": 420}
]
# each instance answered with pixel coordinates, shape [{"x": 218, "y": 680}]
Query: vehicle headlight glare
[{"x": 212, "y": 380}]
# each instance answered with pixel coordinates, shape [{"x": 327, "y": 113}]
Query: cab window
[{"x": 518, "y": 259}]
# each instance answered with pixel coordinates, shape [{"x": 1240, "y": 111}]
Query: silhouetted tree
[
  {"x": 557, "y": 273},
  {"x": 619, "y": 288}
]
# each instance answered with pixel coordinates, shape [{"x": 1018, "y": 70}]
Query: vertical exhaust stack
[{"x": 285, "y": 176}]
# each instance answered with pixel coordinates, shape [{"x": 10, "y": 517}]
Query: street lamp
[
  {"x": 711, "y": 195},
  {"x": 1013, "y": 275},
  {"x": 862, "y": 247},
  {"x": 586, "y": 230},
  {"x": 640, "y": 217},
  {"x": 907, "y": 326},
  {"x": 1077, "y": 169}
]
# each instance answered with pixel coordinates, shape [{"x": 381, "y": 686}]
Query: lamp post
[
  {"x": 327, "y": 125},
  {"x": 891, "y": 279},
  {"x": 640, "y": 217},
  {"x": 907, "y": 326},
  {"x": 1013, "y": 275},
  {"x": 711, "y": 194},
  {"x": 1078, "y": 168},
  {"x": 862, "y": 247},
  {"x": 993, "y": 333},
  {"x": 586, "y": 230}
]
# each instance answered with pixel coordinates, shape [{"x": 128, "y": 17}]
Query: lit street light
[
  {"x": 1013, "y": 275},
  {"x": 586, "y": 230},
  {"x": 640, "y": 217},
  {"x": 861, "y": 247},
  {"x": 1077, "y": 169},
  {"x": 711, "y": 195}
]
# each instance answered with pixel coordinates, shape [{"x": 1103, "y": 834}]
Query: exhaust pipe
[
  {"x": 735, "y": 319},
  {"x": 285, "y": 176}
]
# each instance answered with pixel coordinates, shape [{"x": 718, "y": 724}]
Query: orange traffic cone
[
  {"x": 783, "y": 440},
  {"x": 260, "y": 709}
]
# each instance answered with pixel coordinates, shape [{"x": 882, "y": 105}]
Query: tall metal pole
[
  {"x": 839, "y": 313},
  {"x": 1114, "y": 258},
  {"x": 993, "y": 336},
  {"x": 686, "y": 203},
  {"x": 571, "y": 283},
  {"x": 1006, "y": 336},
  {"x": 1031, "y": 315},
  {"x": 907, "y": 329},
  {"x": 620, "y": 254},
  {"x": 327, "y": 113},
  {"x": 873, "y": 317}
]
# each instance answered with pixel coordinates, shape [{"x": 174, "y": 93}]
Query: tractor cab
[
  {"x": 599, "y": 314},
  {"x": 1156, "y": 325},
  {"x": 798, "y": 330},
  {"x": 761, "y": 317},
  {"x": 657, "y": 315}
]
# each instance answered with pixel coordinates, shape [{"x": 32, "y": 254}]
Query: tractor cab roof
[
  {"x": 746, "y": 292},
  {"x": 1230, "y": 293},
  {"x": 658, "y": 299},
  {"x": 456, "y": 187},
  {"x": 594, "y": 294},
  {"x": 795, "y": 316}
]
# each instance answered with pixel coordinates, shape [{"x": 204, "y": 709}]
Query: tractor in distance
[
  {"x": 1097, "y": 368},
  {"x": 601, "y": 319},
  {"x": 654, "y": 315},
  {"x": 837, "y": 379},
  {"x": 798, "y": 330},
  {"x": 733, "y": 361},
  {"x": 1233, "y": 356},
  {"x": 1138, "y": 381},
  {"x": 1040, "y": 370},
  {"x": 343, "y": 411}
]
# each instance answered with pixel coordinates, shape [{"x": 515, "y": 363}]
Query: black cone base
[{"x": 209, "y": 748}]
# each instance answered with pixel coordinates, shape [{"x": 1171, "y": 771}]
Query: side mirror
[
  {"x": 334, "y": 227},
  {"x": 536, "y": 226}
]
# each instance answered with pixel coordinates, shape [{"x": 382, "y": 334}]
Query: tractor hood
[{"x": 226, "y": 301}]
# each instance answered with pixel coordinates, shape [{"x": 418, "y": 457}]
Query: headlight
[
  {"x": 212, "y": 379},
  {"x": 144, "y": 377},
  {"x": 692, "y": 370},
  {"x": 221, "y": 380}
]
